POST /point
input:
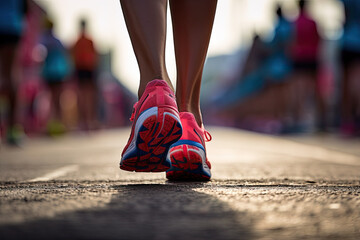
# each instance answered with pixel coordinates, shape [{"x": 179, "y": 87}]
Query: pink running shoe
[
  {"x": 188, "y": 155},
  {"x": 156, "y": 126}
]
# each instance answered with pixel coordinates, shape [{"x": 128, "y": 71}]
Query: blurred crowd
[
  {"x": 295, "y": 81},
  {"x": 49, "y": 88}
]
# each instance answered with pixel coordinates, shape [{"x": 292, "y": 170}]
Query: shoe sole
[
  {"x": 156, "y": 129},
  {"x": 188, "y": 163}
]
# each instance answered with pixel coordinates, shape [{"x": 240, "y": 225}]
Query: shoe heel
[
  {"x": 187, "y": 164},
  {"x": 155, "y": 133}
]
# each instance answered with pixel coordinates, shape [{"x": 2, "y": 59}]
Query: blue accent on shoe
[{"x": 188, "y": 142}]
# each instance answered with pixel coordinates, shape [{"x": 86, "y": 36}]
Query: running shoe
[
  {"x": 188, "y": 155},
  {"x": 156, "y": 126}
]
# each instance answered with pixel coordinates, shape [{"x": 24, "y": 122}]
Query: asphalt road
[{"x": 263, "y": 187}]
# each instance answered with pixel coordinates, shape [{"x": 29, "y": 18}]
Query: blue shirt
[{"x": 11, "y": 16}]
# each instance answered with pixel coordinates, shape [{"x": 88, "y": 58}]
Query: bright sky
[{"x": 235, "y": 22}]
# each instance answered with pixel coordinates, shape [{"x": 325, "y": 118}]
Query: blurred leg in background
[{"x": 8, "y": 83}]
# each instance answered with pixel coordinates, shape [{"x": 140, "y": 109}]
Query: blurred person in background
[
  {"x": 258, "y": 101},
  {"x": 12, "y": 14},
  {"x": 304, "y": 53},
  {"x": 278, "y": 63},
  {"x": 160, "y": 119},
  {"x": 56, "y": 68},
  {"x": 350, "y": 58},
  {"x": 86, "y": 60},
  {"x": 278, "y": 67}
]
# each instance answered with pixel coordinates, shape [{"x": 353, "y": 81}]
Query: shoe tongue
[{"x": 157, "y": 82}]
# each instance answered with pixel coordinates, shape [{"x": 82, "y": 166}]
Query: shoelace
[
  {"x": 133, "y": 112},
  {"x": 207, "y": 135}
]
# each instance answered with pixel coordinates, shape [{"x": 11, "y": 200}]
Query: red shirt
[
  {"x": 306, "y": 42},
  {"x": 84, "y": 53}
]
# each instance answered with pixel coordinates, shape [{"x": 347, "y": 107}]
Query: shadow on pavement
[{"x": 143, "y": 211}]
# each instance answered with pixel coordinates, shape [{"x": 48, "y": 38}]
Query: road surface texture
[{"x": 263, "y": 187}]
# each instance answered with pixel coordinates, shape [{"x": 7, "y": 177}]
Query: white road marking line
[{"x": 55, "y": 174}]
